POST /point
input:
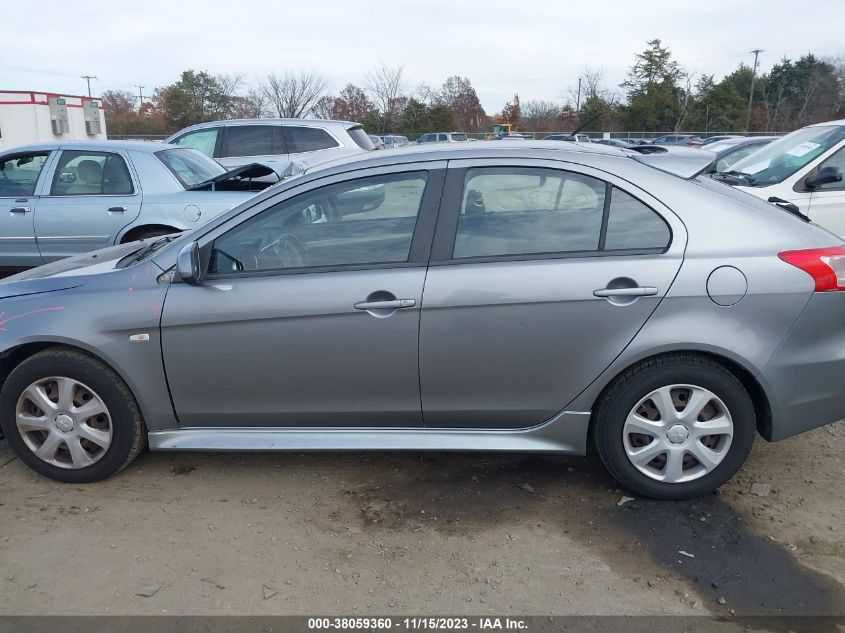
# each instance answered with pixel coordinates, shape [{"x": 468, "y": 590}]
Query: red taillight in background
[{"x": 825, "y": 265}]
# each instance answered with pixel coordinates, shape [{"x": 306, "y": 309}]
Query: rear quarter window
[{"x": 308, "y": 139}]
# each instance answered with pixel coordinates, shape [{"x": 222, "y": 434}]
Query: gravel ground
[{"x": 266, "y": 534}]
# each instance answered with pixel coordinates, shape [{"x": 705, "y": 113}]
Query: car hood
[
  {"x": 244, "y": 172},
  {"x": 66, "y": 273}
]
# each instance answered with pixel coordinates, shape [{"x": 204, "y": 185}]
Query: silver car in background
[
  {"x": 531, "y": 296},
  {"x": 278, "y": 143},
  {"x": 63, "y": 199}
]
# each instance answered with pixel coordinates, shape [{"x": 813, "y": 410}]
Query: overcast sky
[{"x": 536, "y": 49}]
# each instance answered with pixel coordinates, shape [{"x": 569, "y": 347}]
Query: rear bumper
[{"x": 805, "y": 378}]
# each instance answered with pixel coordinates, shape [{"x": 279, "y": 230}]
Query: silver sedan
[
  {"x": 63, "y": 199},
  {"x": 496, "y": 296}
]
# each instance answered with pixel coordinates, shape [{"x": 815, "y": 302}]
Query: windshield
[
  {"x": 190, "y": 166},
  {"x": 777, "y": 161}
]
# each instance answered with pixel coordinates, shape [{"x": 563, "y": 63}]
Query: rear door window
[
  {"x": 308, "y": 139},
  {"x": 249, "y": 140},
  {"x": 516, "y": 211},
  {"x": 82, "y": 173}
]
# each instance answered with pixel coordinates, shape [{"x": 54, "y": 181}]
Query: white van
[{"x": 803, "y": 168}]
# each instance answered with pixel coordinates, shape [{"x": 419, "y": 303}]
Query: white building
[{"x": 39, "y": 117}]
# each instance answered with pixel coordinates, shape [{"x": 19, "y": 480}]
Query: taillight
[{"x": 825, "y": 265}]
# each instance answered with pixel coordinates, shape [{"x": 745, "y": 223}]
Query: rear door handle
[
  {"x": 16, "y": 210},
  {"x": 641, "y": 291},
  {"x": 113, "y": 210},
  {"x": 393, "y": 304}
]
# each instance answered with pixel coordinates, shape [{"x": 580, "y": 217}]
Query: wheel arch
[
  {"x": 13, "y": 357},
  {"x": 759, "y": 399},
  {"x": 135, "y": 232}
]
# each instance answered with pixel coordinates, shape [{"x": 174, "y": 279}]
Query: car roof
[
  {"x": 275, "y": 121},
  {"x": 99, "y": 146},
  {"x": 527, "y": 148},
  {"x": 840, "y": 122}
]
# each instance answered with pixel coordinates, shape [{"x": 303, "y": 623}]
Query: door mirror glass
[
  {"x": 188, "y": 264},
  {"x": 825, "y": 176}
]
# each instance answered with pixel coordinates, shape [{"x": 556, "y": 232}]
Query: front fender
[{"x": 98, "y": 317}]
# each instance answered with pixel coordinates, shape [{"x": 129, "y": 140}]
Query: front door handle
[
  {"x": 393, "y": 304},
  {"x": 640, "y": 291},
  {"x": 113, "y": 210},
  {"x": 20, "y": 210}
]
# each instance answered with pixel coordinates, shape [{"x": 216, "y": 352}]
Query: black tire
[
  {"x": 129, "y": 434},
  {"x": 637, "y": 382}
]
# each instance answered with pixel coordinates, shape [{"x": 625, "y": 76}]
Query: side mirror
[
  {"x": 826, "y": 176},
  {"x": 188, "y": 264}
]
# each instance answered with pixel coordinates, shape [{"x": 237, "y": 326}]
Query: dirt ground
[{"x": 265, "y": 534}]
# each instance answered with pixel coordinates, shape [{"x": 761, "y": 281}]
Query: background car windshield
[
  {"x": 779, "y": 160},
  {"x": 190, "y": 166}
]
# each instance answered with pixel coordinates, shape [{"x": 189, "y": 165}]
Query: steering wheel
[{"x": 289, "y": 251}]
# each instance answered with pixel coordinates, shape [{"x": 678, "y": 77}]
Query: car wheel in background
[
  {"x": 70, "y": 417},
  {"x": 674, "y": 427}
]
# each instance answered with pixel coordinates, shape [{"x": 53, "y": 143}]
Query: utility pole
[
  {"x": 578, "y": 99},
  {"x": 88, "y": 79},
  {"x": 756, "y": 52},
  {"x": 140, "y": 95}
]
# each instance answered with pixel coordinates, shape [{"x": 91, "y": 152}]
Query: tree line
[{"x": 658, "y": 95}]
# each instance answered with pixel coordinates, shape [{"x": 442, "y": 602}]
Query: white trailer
[{"x": 36, "y": 117}]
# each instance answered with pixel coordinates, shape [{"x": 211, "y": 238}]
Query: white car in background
[
  {"x": 803, "y": 169},
  {"x": 277, "y": 143}
]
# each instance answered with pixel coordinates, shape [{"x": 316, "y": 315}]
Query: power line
[
  {"x": 756, "y": 52},
  {"x": 140, "y": 95}
]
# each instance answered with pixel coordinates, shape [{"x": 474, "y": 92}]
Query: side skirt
[{"x": 565, "y": 433}]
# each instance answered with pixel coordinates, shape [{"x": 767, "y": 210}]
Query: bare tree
[
  {"x": 541, "y": 116},
  {"x": 252, "y": 105},
  {"x": 683, "y": 94},
  {"x": 592, "y": 86},
  {"x": 323, "y": 108},
  {"x": 293, "y": 95},
  {"x": 386, "y": 86},
  {"x": 425, "y": 93}
]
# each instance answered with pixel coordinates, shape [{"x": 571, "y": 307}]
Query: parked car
[
  {"x": 803, "y": 169},
  {"x": 578, "y": 138},
  {"x": 722, "y": 137},
  {"x": 612, "y": 142},
  {"x": 376, "y": 141},
  {"x": 287, "y": 324},
  {"x": 275, "y": 142},
  {"x": 687, "y": 140},
  {"x": 443, "y": 137},
  {"x": 731, "y": 150},
  {"x": 62, "y": 199},
  {"x": 394, "y": 140}
]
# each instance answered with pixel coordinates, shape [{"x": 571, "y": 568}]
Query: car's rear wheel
[
  {"x": 674, "y": 427},
  {"x": 70, "y": 417}
]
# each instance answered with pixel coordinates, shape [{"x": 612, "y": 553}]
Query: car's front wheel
[
  {"x": 674, "y": 427},
  {"x": 70, "y": 417}
]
